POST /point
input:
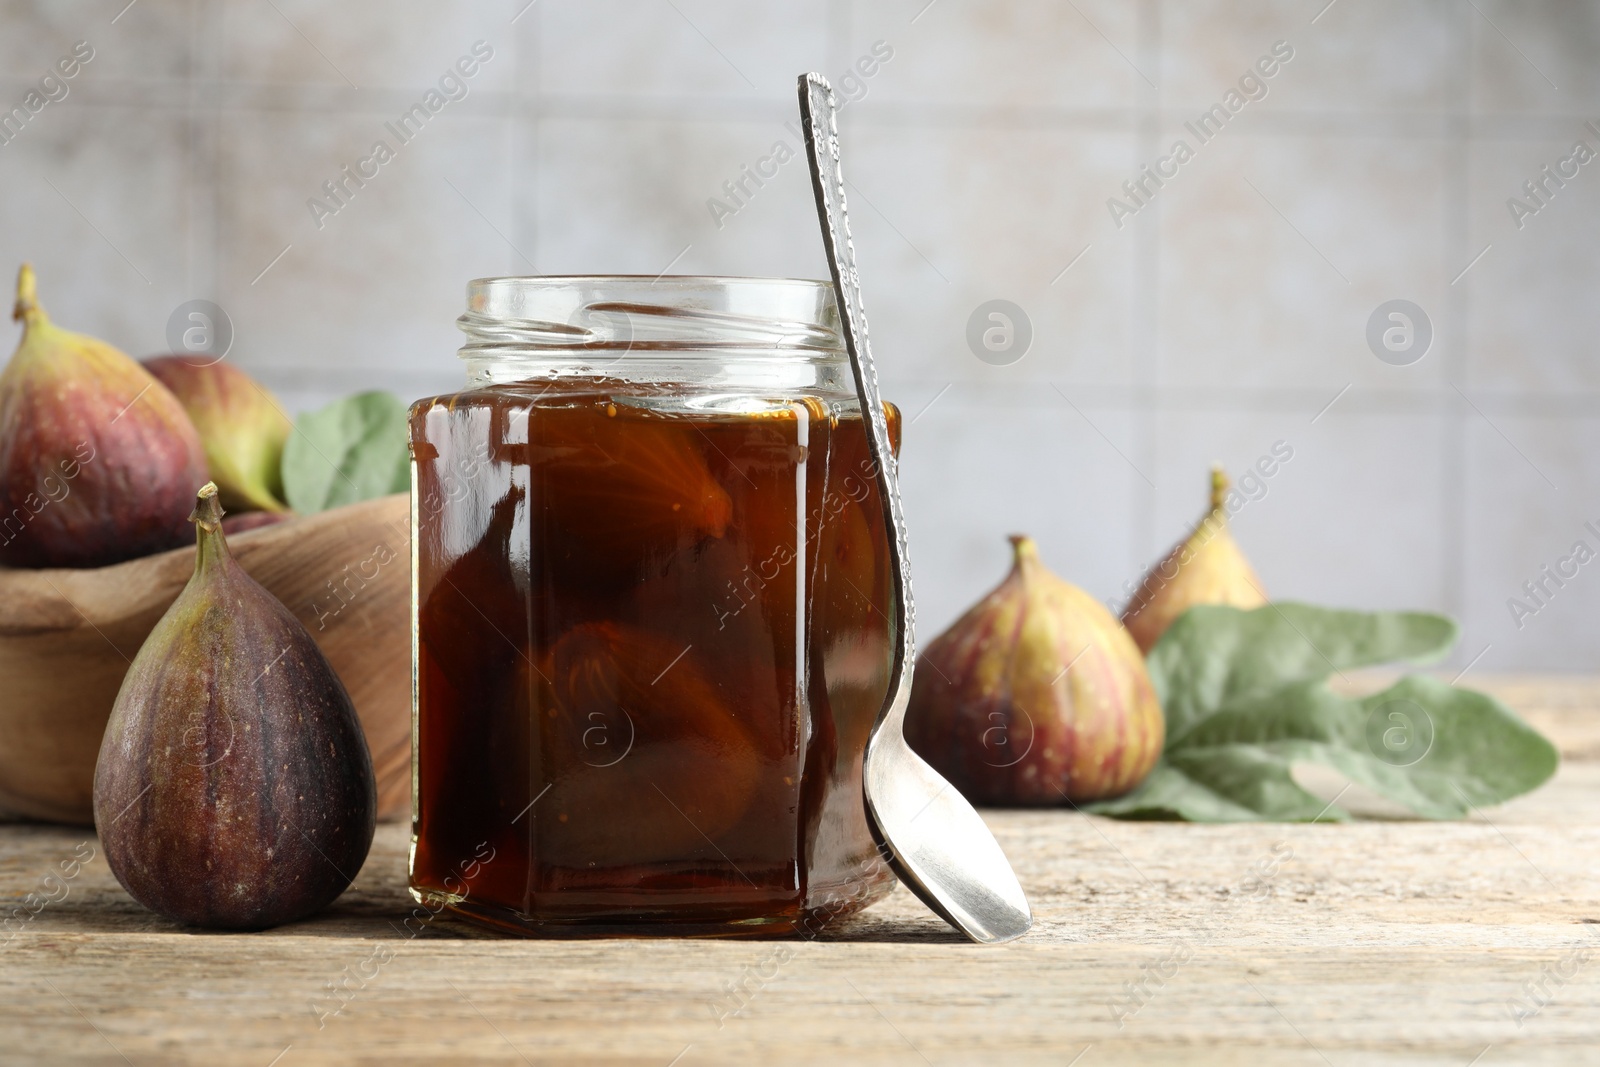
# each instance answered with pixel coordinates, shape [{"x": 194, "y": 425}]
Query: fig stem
[
  {"x": 1219, "y": 487},
  {"x": 27, "y": 307},
  {"x": 207, "y": 518},
  {"x": 1023, "y": 549}
]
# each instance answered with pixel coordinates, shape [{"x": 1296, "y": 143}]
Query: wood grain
[
  {"x": 1390, "y": 942},
  {"x": 67, "y": 636}
]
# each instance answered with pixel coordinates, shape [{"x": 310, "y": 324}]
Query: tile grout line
[
  {"x": 508, "y": 132},
  {"x": 1147, "y": 275},
  {"x": 532, "y": 103}
]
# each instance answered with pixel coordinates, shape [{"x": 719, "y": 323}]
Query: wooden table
[{"x": 1386, "y": 941}]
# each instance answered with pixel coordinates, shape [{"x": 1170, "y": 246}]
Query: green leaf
[
  {"x": 352, "y": 450},
  {"x": 1246, "y": 690},
  {"x": 1232, "y": 784},
  {"x": 1213, "y": 656},
  {"x": 1481, "y": 752}
]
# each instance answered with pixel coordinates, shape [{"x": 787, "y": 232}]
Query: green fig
[
  {"x": 98, "y": 461},
  {"x": 1207, "y": 567},
  {"x": 1035, "y": 696},
  {"x": 234, "y": 787},
  {"x": 242, "y": 427}
]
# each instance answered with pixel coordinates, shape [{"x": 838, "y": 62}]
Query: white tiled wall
[{"x": 1220, "y": 319}]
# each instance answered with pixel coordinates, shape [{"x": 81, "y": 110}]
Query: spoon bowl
[{"x": 940, "y": 846}]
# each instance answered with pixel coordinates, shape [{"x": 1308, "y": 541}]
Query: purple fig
[
  {"x": 1035, "y": 696},
  {"x": 242, "y": 428},
  {"x": 234, "y": 787},
  {"x": 98, "y": 461}
]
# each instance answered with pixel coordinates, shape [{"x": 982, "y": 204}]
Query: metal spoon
[{"x": 935, "y": 841}]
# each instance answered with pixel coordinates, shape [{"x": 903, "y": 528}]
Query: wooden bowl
[{"x": 67, "y": 636}]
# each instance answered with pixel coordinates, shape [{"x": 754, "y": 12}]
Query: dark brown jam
[{"x": 652, "y": 637}]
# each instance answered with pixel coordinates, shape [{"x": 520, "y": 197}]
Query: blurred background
[{"x": 1219, "y": 316}]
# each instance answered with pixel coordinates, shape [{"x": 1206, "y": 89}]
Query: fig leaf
[
  {"x": 352, "y": 450},
  {"x": 1245, "y": 697}
]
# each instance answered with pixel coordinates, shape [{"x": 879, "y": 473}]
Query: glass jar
[{"x": 650, "y": 604}]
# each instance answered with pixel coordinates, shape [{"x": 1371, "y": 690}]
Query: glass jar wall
[{"x": 650, "y": 600}]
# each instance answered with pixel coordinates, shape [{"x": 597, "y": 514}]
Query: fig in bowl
[
  {"x": 98, "y": 462},
  {"x": 242, "y": 427}
]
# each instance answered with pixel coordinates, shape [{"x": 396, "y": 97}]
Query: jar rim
[{"x": 537, "y": 316}]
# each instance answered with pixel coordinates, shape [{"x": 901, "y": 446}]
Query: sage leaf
[
  {"x": 1245, "y": 698},
  {"x": 352, "y": 450}
]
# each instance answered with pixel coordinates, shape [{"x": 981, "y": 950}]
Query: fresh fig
[
  {"x": 1036, "y": 695},
  {"x": 242, "y": 428},
  {"x": 234, "y": 787},
  {"x": 98, "y": 461},
  {"x": 1207, "y": 567}
]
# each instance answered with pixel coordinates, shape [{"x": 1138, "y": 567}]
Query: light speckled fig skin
[
  {"x": 242, "y": 428},
  {"x": 98, "y": 461},
  {"x": 1035, "y": 696},
  {"x": 1207, "y": 567},
  {"x": 234, "y": 787}
]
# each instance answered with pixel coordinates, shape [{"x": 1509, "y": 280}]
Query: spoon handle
[{"x": 817, "y": 110}]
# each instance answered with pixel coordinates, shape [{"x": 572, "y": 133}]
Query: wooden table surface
[{"x": 1384, "y": 941}]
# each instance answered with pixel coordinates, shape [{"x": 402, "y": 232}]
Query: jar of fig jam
[{"x": 651, "y": 612}]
